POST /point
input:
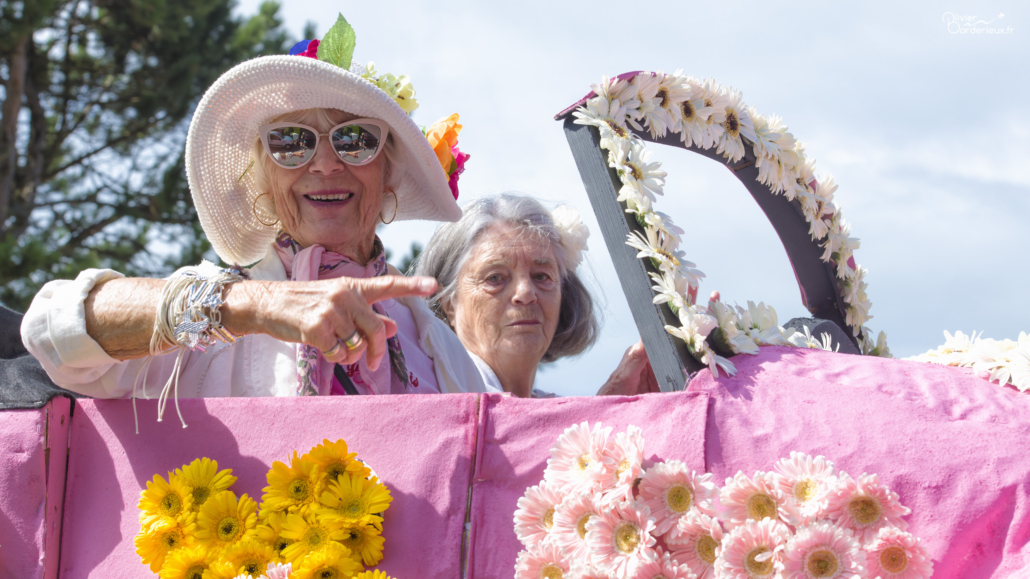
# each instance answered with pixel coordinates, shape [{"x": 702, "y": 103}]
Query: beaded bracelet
[{"x": 189, "y": 313}]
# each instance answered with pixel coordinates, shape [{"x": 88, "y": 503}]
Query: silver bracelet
[{"x": 197, "y": 319}]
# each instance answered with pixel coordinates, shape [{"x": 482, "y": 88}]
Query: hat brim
[{"x": 223, "y": 130}]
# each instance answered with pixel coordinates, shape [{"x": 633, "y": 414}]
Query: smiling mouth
[{"x": 328, "y": 197}]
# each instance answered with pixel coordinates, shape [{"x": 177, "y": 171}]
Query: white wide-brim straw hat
[{"x": 224, "y": 129}]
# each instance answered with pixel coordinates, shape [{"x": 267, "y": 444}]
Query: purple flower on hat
[
  {"x": 459, "y": 168},
  {"x": 308, "y": 48}
]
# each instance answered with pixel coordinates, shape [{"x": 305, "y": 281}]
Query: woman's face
[
  {"x": 508, "y": 297},
  {"x": 327, "y": 201}
]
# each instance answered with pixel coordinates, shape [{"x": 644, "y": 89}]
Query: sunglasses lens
[
  {"x": 291, "y": 146},
  {"x": 356, "y": 144}
]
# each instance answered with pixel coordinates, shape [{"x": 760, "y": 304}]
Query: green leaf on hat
[{"x": 338, "y": 45}]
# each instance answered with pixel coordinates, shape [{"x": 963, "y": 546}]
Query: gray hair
[{"x": 446, "y": 254}]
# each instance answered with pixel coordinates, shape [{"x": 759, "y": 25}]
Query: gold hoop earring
[
  {"x": 253, "y": 208},
  {"x": 396, "y": 207}
]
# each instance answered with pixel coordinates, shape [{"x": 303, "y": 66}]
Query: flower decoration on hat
[{"x": 443, "y": 137}]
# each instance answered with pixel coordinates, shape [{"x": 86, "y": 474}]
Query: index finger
[{"x": 386, "y": 287}]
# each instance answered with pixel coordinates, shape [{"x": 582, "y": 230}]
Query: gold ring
[
  {"x": 332, "y": 351},
  {"x": 354, "y": 341}
]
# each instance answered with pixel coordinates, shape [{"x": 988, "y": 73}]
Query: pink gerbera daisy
[
  {"x": 696, "y": 542},
  {"x": 621, "y": 539},
  {"x": 570, "y": 525},
  {"x": 806, "y": 483},
  {"x": 534, "y": 518},
  {"x": 821, "y": 551},
  {"x": 865, "y": 506},
  {"x": 625, "y": 460},
  {"x": 669, "y": 489},
  {"x": 543, "y": 560},
  {"x": 663, "y": 567},
  {"x": 587, "y": 572},
  {"x": 759, "y": 498},
  {"x": 753, "y": 550},
  {"x": 279, "y": 570},
  {"x": 578, "y": 460},
  {"x": 895, "y": 554}
]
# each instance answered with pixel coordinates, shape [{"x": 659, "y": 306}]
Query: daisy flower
[
  {"x": 644, "y": 89},
  {"x": 296, "y": 485},
  {"x": 695, "y": 327},
  {"x": 664, "y": 567},
  {"x": 691, "y": 122},
  {"x": 616, "y": 89},
  {"x": 609, "y": 116},
  {"x": 878, "y": 349},
  {"x": 202, "y": 479},
  {"x": 823, "y": 550},
  {"x": 672, "y": 90},
  {"x": 866, "y": 506},
  {"x": 621, "y": 539},
  {"x": 249, "y": 557},
  {"x": 696, "y": 541},
  {"x": 333, "y": 458},
  {"x": 351, "y": 499},
  {"x": 737, "y": 124},
  {"x": 534, "y": 518},
  {"x": 669, "y": 489},
  {"x": 753, "y": 550},
  {"x": 806, "y": 483},
  {"x": 271, "y": 532},
  {"x": 802, "y": 175},
  {"x": 759, "y": 498},
  {"x": 279, "y": 570},
  {"x": 542, "y": 560},
  {"x": 163, "y": 499},
  {"x": 364, "y": 541},
  {"x": 165, "y": 535},
  {"x": 895, "y": 554},
  {"x": 225, "y": 520},
  {"x": 578, "y": 458},
  {"x": 587, "y": 572},
  {"x": 330, "y": 562},
  {"x": 761, "y": 323},
  {"x": 308, "y": 534},
  {"x": 728, "y": 335},
  {"x": 632, "y": 160},
  {"x": 715, "y": 98},
  {"x": 570, "y": 524},
  {"x": 670, "y": 288},
  {"x": 625, "y": 457},
  {"x": 660, "y": 250},
  {"x": 186, "y": 563},
  {"x": 222, "y": 569},
  {"x": 373, "y": 574}
]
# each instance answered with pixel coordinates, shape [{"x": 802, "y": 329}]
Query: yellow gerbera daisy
[
  {"x": 364, "y": 541},
  {"x": 221, "y": 569},
  {"x": 224, "y": 520},
  {"x": 271, "y": 533},
  {"x": 186, "y": 563},
  {"x": 164, "y": 535},
  {"x": 350, "y": 499},
  {"x": 373, "y": 574},
  {"x": 331, "y": 562},
  {"x": 309, "y": 534},
  {"x": 163, "y": 499},
  {"x": 249, "y": 557},
  {"x": 297, "y": 485},
  {"x": 333, "y": 459},
  {"x": 203, "y": 480}
]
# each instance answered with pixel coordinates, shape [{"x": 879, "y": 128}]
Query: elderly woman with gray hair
[{"x": 509, "y": 289}]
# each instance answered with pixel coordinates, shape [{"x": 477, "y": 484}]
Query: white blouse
[{"x": 54, "y": 331}]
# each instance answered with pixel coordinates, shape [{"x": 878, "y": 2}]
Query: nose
[
  {"x": 326, "y": 162},
  {"x": 525, "y": 291}
]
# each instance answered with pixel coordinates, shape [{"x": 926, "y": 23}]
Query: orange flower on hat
[{"x": 442, "y": 137}]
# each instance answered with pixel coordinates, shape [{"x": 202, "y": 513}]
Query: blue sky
[{"x": 927, "y": 133}]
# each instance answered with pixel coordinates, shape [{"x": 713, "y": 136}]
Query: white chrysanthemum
[
  {"x": 625, "y": 460},
  {"x": 570, "y": 524},
  {"x": 670, "y": 489},
  {"x": 696, "y": 541},
  {"x": 632, "y": 160},
  {"x": 578, "y": 458},
  {"x": 573, "y": 233},
  {"x": 895, "y": 554},
  {"x": 715, "y": 97},
  {"x": 806, "y": 483},
  {"x": 865, "y": 506},
  {"x": 542, "y": 560},
  {"x": 744, "y": 498},
  {"x": 737, "y": 124},
  {"x": 608, "y": 116},
  {"x": 753, "y": 550},
  {"x": 822, "y": 550},
  {"x": 730, "y": 335},
  {"x": 621, "y": 538},
  {"x": 534, "y": 518}
]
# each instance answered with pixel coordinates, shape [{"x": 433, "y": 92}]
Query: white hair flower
[{"x": 573, "y": 233}]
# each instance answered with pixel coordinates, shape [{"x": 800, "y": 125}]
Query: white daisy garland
[
  {"x": 708, "y": 115},
  {"x": 1005, "y": 361}
]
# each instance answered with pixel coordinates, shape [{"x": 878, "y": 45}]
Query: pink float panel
[
  {"x": 516, "y": 436},
  {"x": 952, "y": 445},
  {"x": 32, "y": 462},
  {"x": 420, "y": 446}
]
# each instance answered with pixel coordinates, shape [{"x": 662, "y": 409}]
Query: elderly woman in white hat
[{"x": 292, "y": 163}]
